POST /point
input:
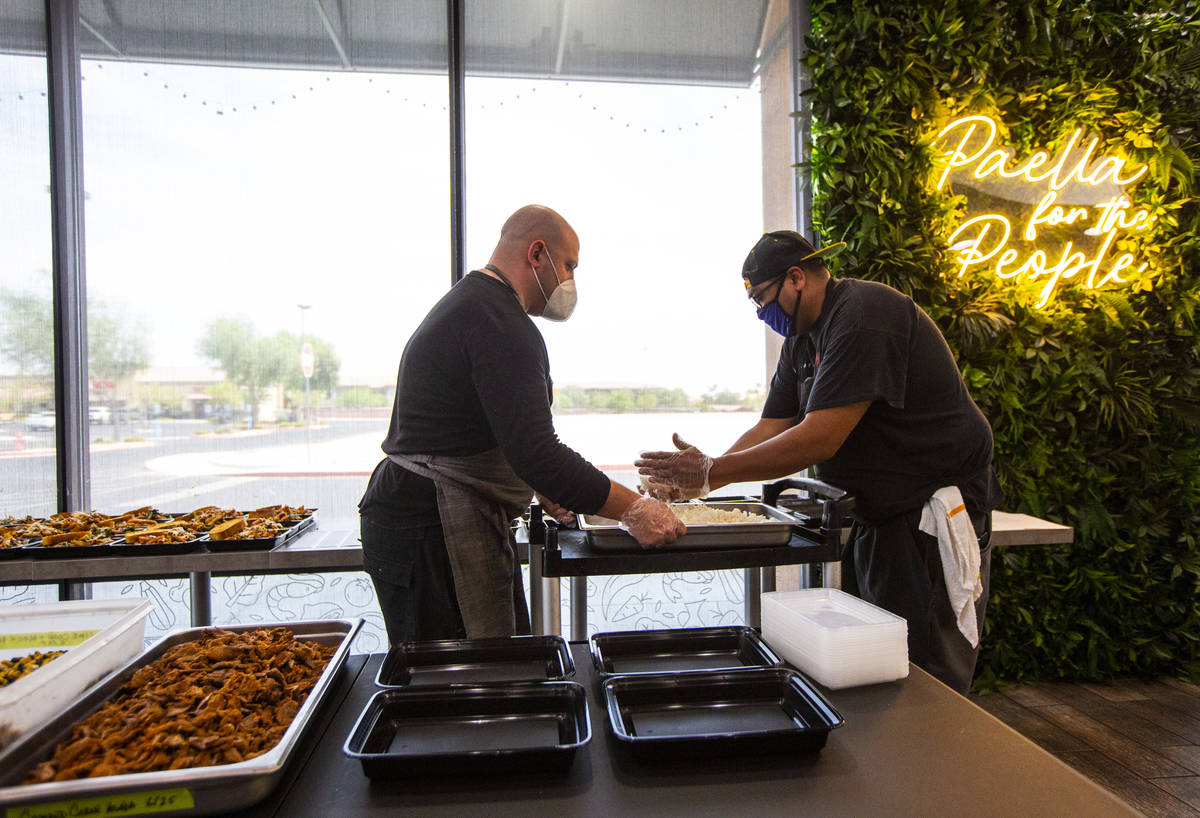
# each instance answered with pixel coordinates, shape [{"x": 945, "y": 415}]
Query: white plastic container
[
  {"x": 837, "y": 639},
  {"x": 98, "y": 635}
]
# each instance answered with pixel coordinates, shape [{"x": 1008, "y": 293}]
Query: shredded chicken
[{"x": 223, "y": 698}]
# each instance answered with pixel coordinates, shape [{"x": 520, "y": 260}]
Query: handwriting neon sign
[{"x": 984, "y": 239}]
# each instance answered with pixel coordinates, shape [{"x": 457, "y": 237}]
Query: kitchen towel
[{"x": 945, "y": 517}]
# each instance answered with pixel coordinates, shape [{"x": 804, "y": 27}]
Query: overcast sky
[{"x": 216, "y": 191}]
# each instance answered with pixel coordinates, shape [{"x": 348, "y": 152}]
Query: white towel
[{"x": 946, "y": 518}]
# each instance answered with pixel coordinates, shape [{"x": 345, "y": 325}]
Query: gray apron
[{"x": 478, "y": 496}]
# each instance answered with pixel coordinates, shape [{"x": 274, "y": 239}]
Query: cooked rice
[{"x": 692, "y": 514}]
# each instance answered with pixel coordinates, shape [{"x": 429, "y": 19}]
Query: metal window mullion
[
  {"x": 70, "y": 291},
  {"x": 800, "y": 23},
  {"x": 455, "y": 42}
]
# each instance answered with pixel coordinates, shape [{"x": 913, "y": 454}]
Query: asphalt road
[{"x": 120, "y": 479}]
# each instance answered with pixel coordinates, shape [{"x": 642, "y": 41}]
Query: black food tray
[
  {"x": 14, "y": 552},
  {"x": 296, "y": 529},
  {"x": 683, "y": 649},
  {"x": 464, "y": 731},
  {"x": 473, "y": 661},
  {"x": 252, "y": 544},
  {"x": 39, "y": 551},
  {"x": 660, "y": 717},
  {"x": 158, "y": 549}
]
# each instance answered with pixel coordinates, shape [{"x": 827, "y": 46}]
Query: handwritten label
[
  {"x": 25, "y": 641},
  {"x": 139, "y": 803},
  {"x": 984, "y": 239}
]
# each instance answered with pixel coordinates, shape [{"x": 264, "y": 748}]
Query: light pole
[{"x": 306, "y": 367}]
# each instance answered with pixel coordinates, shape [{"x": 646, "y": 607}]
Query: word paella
[{"x": 983, "y": 240}]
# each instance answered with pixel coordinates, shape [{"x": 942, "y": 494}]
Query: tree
[
  {"x": 250, "y": 362},
  {"x": 27, "y": 340},
  {"x": 255, "y": 363},
  {"x": 117, "y": 348}
]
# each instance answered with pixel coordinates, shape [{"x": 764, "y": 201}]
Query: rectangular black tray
[
  {"x": 472, "y": 661},
  {"x": 736, "y": 713},
  {"x": 39, "y": 551},
  {"x": 466, "y": 731},
  {"x": 682, "y": 649},
  {"x": 298, "y": 528},
  {"x": 16, "y": 552},
  {"x": 252, "y": 544},
  {"x": 157, "y": 549}
]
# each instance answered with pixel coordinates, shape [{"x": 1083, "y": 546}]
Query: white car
[
  {"x": 99, "y": 414},
  {"x": 43, "y": 421}
]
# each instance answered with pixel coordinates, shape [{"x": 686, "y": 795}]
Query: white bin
[
  {"x": 837, "y": 639},
  {"x": 98, "y": 635}
]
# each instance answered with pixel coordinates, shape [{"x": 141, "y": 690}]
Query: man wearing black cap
[{"x": 868, "y": 392}]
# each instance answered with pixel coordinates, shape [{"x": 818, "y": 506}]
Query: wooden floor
[{"x": 1138, "y": 738}]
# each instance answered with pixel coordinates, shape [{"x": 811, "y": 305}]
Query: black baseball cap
[{"x": 778, "y": 251}]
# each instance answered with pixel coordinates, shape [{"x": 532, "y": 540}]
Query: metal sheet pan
[
  {"x": 468, "y": 731},
  {"x": 210, "y": 790},
  {"x": 472, "y": 661},
  {"x": 660, "y": 717},
  {"x": 606, "y": 535},
  {"x": 621, "y": 653}
]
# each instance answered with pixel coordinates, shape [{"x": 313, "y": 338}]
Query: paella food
[
  {"x": 694, "y": 514},
  {"x": 160, "y": 534},
  {"x": 241, "y": 528},
  {"x": 137, "y": 519},
  {"x": 95, "y": 535},
  {"x": 280, "y": 514},
  {"x": 13, "y": 669},
  {"x": 223, "y": 698},
  {"x": 204, "y": 519}
]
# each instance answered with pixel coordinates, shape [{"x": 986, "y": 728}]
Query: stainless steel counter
[{"x": 912, "y": 747}]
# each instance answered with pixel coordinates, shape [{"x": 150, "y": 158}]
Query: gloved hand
[
  {"x": 556, "y": 511},
  {"x": 673, "y": 476},
  {"x": 652, "y": 523}
]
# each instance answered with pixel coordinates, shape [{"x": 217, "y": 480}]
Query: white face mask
[{"x": 561, "y": 303}]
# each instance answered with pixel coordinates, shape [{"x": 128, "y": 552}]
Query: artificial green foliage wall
[{"x": 1095, "y": 398}]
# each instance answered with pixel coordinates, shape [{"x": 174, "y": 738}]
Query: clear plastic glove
[
  {"x": 652, "y": 523},
  {"x": 673, "y": 476},
  {"x": 556, "y": 511}
]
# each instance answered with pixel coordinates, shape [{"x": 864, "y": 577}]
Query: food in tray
[
  {"x": 9, "y": 538},
  {"x": 96, "y": 535},
  {"x": 206, "y": 518},
  {"x": 13, "y": 669},
  {"x": 241, "y": 528},
  {"x": 138, "y": 519},
  {"x": 280, "y": 514},
  {"x": 159, "y": 535},
  {"x": 221, "y": 699},
  {"x": 699, "y": 514},
  {"x": 15, "y": 521}
]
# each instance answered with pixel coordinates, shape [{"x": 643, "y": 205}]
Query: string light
[{"x": 512, "y": 102}]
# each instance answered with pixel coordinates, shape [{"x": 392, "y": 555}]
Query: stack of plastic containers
[
  {"x": 837, "y": 639},
  {"x": 98, "y": 636}
]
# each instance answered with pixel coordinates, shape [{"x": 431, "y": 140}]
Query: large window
[
  {"x": 662, "y": 182},
  {"x": 271, "y": 175},
  {"x": 27, "y": 444}
]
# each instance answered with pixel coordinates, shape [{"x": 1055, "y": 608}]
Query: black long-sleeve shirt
[{"x": 476, "y": 375}]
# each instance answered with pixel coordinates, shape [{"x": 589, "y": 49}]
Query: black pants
[
  {"x": 894, "y": 565},
  {"x": 413, "y": 581}
]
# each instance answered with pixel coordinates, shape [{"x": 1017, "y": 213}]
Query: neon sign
[{"x": 1093, "y": 202}]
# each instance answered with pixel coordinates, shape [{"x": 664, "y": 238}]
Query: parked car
[
  {"x": 99, "y": 414},
  {"x": 43, "y": 421}
]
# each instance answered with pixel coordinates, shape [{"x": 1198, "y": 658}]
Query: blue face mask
[{"x": 774, "y": 317}]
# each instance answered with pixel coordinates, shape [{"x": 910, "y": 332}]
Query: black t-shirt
[
  {"x": 922, "y": 431},
  {"x": 476, "y": 375}
]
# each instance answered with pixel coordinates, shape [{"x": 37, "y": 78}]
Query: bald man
[{"x": 472, "y": 439}]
